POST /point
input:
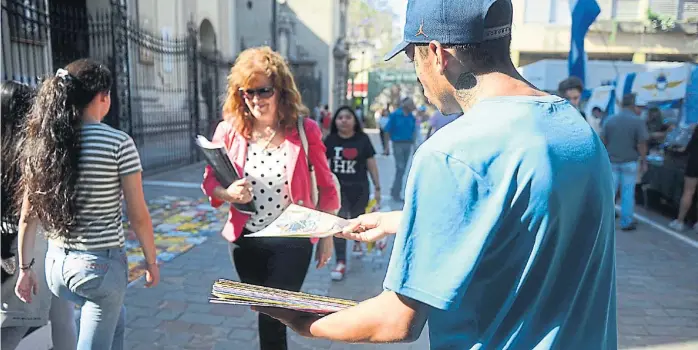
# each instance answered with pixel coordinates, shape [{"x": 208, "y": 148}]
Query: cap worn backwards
[{"x": 449, "y": 22}]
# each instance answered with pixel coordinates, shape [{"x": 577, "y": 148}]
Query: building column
[
  {"x": 639, "y": 57},
  {"x": 515, "y": 56}
]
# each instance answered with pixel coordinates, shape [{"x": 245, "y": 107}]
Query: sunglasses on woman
[{"x": 262, "y": 93}]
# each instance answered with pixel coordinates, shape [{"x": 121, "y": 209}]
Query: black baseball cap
[{"x": 450, "y": 22}]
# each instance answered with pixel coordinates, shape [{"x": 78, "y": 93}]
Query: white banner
[{"x": 662, "y": 84}]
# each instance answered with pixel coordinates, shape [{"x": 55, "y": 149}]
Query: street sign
[
  {"x": 395, "y": 77},
  {"x": 378, "y": 80}
]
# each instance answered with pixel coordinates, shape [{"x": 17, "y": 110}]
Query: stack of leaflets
[
  {"x": 301, "y": 222},
  {"x": 237, "y": 293}
]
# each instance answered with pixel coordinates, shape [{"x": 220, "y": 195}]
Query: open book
[
  {"x": 224, "y": 170},
  {"x": 237, "y": 293},
  {"x": 302, "y": 222}
]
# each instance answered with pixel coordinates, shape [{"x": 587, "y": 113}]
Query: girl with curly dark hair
[
  {"x": 16, "y": 101},
  {"x": 74, "y": 171},
  {"x": 17, "y": 317}
]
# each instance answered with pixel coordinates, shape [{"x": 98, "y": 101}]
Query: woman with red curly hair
[{"x": 260, "y": 134}]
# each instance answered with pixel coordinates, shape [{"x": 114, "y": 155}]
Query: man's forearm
[{"x": 369, "y": 322}]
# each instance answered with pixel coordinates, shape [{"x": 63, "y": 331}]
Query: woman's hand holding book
[{"x": 239, "y": 192}]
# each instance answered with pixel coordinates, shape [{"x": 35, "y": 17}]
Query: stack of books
[{"x": 237, "y": 293}]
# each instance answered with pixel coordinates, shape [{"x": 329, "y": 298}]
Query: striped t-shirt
[{"x": 106, "y": 154}]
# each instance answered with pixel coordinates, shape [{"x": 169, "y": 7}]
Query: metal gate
[
  {"x": 309, "y": 86},
  {"x": 158, "y": 86}
]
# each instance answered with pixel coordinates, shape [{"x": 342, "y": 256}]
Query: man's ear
[{"x": 440, "y": 56}]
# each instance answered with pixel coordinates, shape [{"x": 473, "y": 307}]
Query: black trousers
[
  {"x": 354, "y": 201},
  {"x": 272, "y": 262},
  {"x": 382, "y": 136}
]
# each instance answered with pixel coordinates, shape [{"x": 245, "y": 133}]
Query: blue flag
[{"x": 584, "y": 13}]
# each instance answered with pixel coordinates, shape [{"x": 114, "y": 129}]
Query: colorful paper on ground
[{"x": 179, "y": 224}]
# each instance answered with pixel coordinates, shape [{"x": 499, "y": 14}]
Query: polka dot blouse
[{"x": 266, "y": 170}]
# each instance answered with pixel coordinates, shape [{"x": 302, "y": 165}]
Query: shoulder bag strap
[
  {"x": 304, "y": 140},
  {"x": 314, "y": 195}
]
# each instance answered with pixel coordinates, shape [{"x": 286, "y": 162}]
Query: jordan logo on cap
[{"x": 420, "y": 31}]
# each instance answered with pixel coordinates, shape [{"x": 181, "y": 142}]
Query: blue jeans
[
  {"x": 625, "y": 177},
  {"x": 402, "y": 151},
  {"x": 95, "y": 280}
]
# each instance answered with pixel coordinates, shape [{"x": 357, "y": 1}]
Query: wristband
[{"x": 27, "y": 266}]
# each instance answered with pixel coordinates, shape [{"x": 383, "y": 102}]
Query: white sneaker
[
  {"x": 338, "y": 273},
  {"x": 677, "y": 225}
]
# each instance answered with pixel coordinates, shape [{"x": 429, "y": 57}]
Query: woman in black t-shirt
[{"x": 351, "y": 157}]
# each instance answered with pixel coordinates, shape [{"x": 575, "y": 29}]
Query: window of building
[
  {"x": 689, "y": 10},
  {"x": 606, "y": 9},
  {"x": 628, "y": 10},
  {"x": 27, "y": 21},
  {"x": 537, "y": 11},
  {"x": 560, "y": 12},
  {"x": 665, "y": 7}
]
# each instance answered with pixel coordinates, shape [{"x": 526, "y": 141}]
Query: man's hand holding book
[{"x": 372, "y": 227}]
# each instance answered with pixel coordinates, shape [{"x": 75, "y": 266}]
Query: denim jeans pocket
[
  {"x": 49, "y": 265},
  {"x": 92, "y": 276}
]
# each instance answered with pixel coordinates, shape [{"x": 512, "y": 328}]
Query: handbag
[{"x": 314, "y": 193}]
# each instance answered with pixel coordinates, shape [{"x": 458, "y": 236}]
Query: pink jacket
[{"x": 297, "y": 172}]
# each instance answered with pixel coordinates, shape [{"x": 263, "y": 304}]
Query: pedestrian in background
[
  {"x": 382, "y": 117},
  {"x": 261, "y": 136},
  {"x": 325, "y": 120},
  {"x": 690, "y": 182},
  {"x": 401, "y": 130},
  {"x": 351, "y": 157},
  {"x": 597, "y": 119},
  {"x": 17, "y": 316},
  {"x": 359, "y": 113},
  {"x": 75, "y": 170},
  {"x": 438, "y": 121},
  {"x": 656, "y": 127},
  {"x": 625, "y": 136},
  {"x": 571, "y": 89}
]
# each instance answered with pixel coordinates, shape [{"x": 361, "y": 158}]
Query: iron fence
[{"x": 165, "y": 91}]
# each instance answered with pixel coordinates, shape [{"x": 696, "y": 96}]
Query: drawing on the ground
[
  {"x": 298, "y": 221},
  {"x": 179, "y": 224}
]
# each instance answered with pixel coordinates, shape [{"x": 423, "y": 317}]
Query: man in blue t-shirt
[
  {"x": 506, "y": 239},
  {"x": 401, "y": 130}
]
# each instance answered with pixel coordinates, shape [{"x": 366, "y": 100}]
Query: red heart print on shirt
[{"x": 350, "y": 153}]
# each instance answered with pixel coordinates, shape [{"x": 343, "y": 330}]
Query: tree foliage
[{"x": 373, "y": 25}]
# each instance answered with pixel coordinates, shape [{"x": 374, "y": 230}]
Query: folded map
[
  {"x": 238, "y": 293},
  {"x": 301, "y": 222}
]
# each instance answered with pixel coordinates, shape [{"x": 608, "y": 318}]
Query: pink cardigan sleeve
[
  {"x": 221, "y": 135},
  {"x": 327, "y": 192}
]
